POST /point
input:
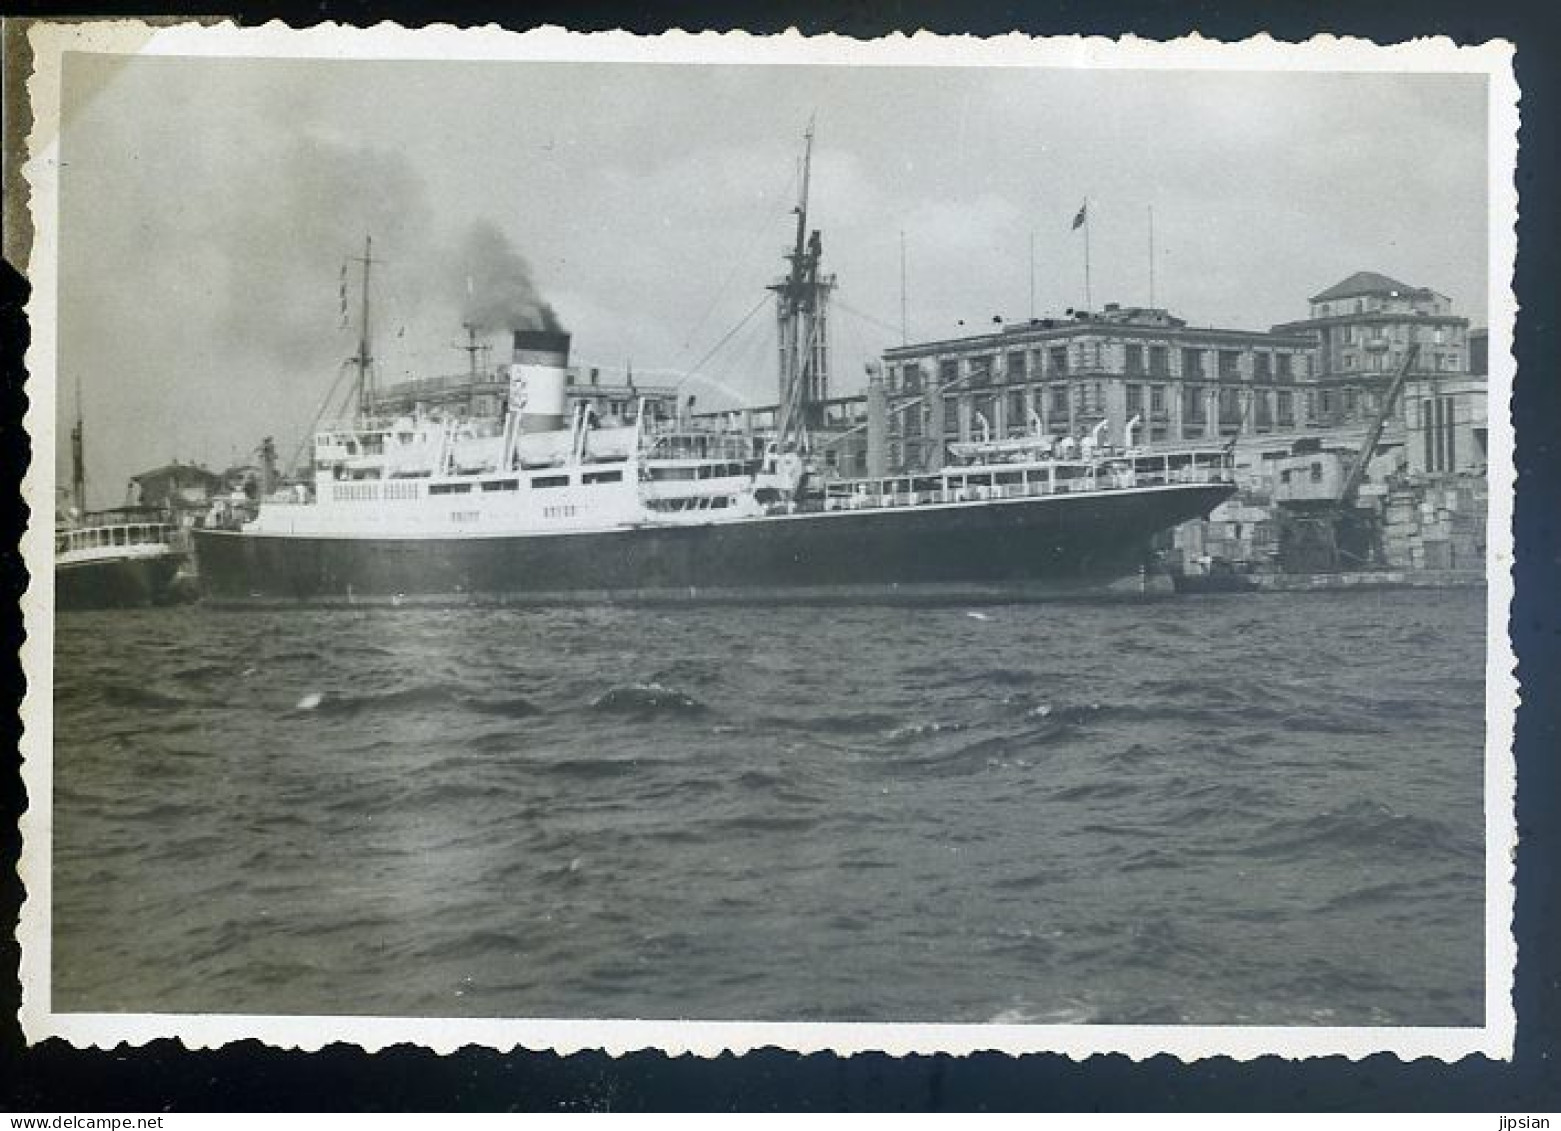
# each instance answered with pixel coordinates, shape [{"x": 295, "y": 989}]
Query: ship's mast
[
  {"x": 801, "y": 318},
  {"x": 78, "y": 460},
  {"x": 366, "y": 393},
  {"x": 473, "y": 350}
]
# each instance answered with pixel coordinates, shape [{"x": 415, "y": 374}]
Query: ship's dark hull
[
  {"x": 1218, "y": 581},
  {"x": 1030, "y": 548},
  {"x": 121, "y": 583}
]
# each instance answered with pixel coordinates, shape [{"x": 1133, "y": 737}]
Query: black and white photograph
[{"x": 705, "y": 543}]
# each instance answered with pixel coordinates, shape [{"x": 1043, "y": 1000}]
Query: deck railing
[{"x": 958, "y": 486}]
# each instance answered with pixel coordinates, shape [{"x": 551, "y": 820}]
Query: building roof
[
  {"x": 186, "y": 472},
  {"x": 1366, "y": 283},
  {"x": 1059, "y": 331}
]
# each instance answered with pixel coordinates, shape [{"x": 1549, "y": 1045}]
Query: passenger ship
[
  {"x": 547, "y": 505},
  {"x": 552, "y": 503}
]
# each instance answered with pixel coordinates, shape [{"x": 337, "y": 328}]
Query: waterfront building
[
  {"x": 1479, "y": 352},
  {"x": 1360, "y": 328},
  {"x": 482, "y": 394},
  {"x": 176, "y": 486},
  {"x": 1446, "y": 417},
  {"x": 1446, "y": 426},
  {"x": 1097, "y": 369}
]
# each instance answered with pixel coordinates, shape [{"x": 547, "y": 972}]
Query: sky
[{"x": 207, "y": 208}]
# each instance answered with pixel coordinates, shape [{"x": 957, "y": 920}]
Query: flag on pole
[{"x": 1083, "y": 215}]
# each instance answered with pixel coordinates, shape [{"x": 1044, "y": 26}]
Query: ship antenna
[{"x": 365, "y": 358}]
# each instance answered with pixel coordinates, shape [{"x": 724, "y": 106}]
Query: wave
[
  {"x": 139, "y": 698},
  {"x": 512, "y": 707},
  {"x": 913, "y": 731},
  {"x": 845, "y": 722},
  {"x": 1103, "y": 790},
  {"x": 646, "y": 700},
  {"x": 1364, "y": 826},
  {"x": 421, "y": 697},
  {"x": 996, "y": 677},
  {"x": 992, "y": 752}
]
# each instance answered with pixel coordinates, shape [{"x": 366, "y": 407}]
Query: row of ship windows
[
  {"x": 368, "y": 492},
  {"x": 702, "y": 503},
  {"x": 110, "y": 536},
  {"x": 704, "y": 471}
]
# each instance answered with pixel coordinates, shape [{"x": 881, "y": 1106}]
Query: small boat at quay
[{"x": 122, "y": 558}]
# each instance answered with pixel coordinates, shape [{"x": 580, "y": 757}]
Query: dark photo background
[{"x": 247, "y": 1076}]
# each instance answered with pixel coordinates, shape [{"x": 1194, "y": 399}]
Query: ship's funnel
[{"x": 539, "y": 378}]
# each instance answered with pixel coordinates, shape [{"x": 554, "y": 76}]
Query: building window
[
  {"x": 1135, "y": 361},
  {"x": 1192, "y": 404},
  {"x": 1017, "y": 417},
  {"x": 910, "y": 378},
  {"x": 1192, "y": 364},
  {"x": 1089, "y": 398},
  {"x": 1283, "y": 361},
  {"x": 1262, "y": 366},
  {"x": 1018, "y": 370},
  {"x": 983, "y": 408},
  {"x": 1286, "y": 407},
  {"x": 950, "y": 416},
  {"x": 1230, "y": 364},
  {"x": 1135, "y": 400},
  {"x": 1059, "y": 400},
  {"x": 1156, "y": 399},
  {"x": 1230, "y": 406},
  {"x": 980, "y": 370},
  {"x": 1159, "y": 361},
  {"x": 948, "y": 373},
  {"x": 1059, "y": 359}
]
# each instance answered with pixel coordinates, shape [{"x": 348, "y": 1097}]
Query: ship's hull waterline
[
  {"x": 118, "y": 583},
  {"x": 1021, "y": 549}
]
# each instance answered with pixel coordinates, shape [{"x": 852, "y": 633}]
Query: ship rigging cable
[
  {"x": 863, "y": 315},
  {"x": 740, "y": 261},
  {"x": 728, "y": 336},
  {"x": 319, "y": 414}
]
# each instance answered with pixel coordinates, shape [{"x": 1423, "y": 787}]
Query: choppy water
[{"x": 1253, "y": 808}]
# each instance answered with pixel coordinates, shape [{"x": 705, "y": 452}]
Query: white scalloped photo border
[{"x": 51, "y": 41}]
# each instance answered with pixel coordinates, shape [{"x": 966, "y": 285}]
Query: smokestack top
[{"x": 542, "y": 347}]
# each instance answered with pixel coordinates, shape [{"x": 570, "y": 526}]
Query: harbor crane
[{"x": 1323, "y": 535}]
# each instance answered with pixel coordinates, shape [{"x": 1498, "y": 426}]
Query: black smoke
[{"x": 497, "y": 289}]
